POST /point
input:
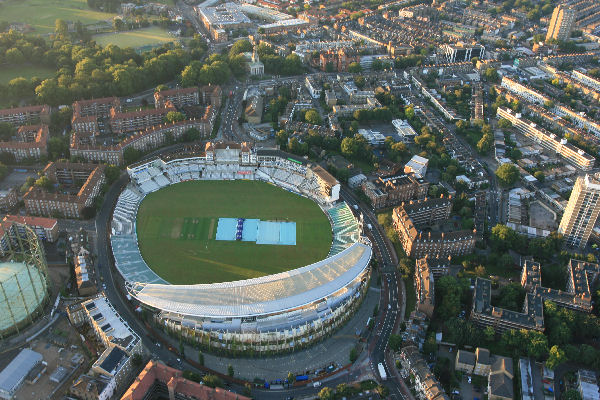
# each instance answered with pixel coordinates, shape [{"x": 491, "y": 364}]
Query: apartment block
[
  {"x": 122, "y": 122},
  {"x": 31, "y": 143},
  {"x": 392, "y": 190},
  {"x": 179, "y": 97},
  {"x": 96, "y": 107},
  {"x": 8, "y": 199},
  {"x": 424, "y": 287},
  {"x": 484, "y": 314},
  {"x": 581, "y": 278},
  {"x": 339, "y": 60},
  {"x": 549, "y": 141},
  {"x": 45, "y": 228},
  {"x": 426, "y": 384},
  {"x": 87, "y": 177},
  {"x": 26, "y": 115},
  {"x": 419, "y": 244},
  {"x": 119, "y": 340},
  {"x": 561, "y": 23},
  {"x": 582, "y": 211}
]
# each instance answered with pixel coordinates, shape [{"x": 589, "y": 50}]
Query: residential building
[
  {"x": 549, "y": 141},
  {"x": 461, "y": 52},
  {"x": 561, "y": 23},
  {"x": 426, "y": 384},
  {"x": 587, "y": 384},
  {"x": 120, "y": 341},
  {"x": 144, "y": 141},
  {"x": 417, "y": 165},
  {"x": 254, "y": 110},
  {"x": 88, "y": 387},
  {"x": 26, "y": 115},
  {"x": 424, "y": 287},
  {"x": 582, "y": 211},
  {"x": 31, "y": 143},
  {"x": 179, "y": 97},
  {"x": 465, "y": 361},
  {"x": 374, "y": 138},
  {"x": 130, "y": 121},
  {"x": 500, "y": 380},
  {"x": 96, "y": 107},
  {"x": 419, "y": 244},
  {"x": 45, "y": 228},
  {"x": 338, "y": 60},
  {"x": 405, "y": 131},
  {"x": 8, "y": 199},
  {"x": 428, "y": 211},
  {"x": 484, "y": 314},
  {"x": 524, "y": 91},
  {"x": 87, "y": 177},
  {"x": 158, "y": 379},
  {"x": 581, "y": 277},
  {"x": 392, "y": 190}
]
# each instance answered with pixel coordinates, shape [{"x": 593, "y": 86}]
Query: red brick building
[
  {"x": 338, "y": 59},
  {"x": 132, "y": 121},
  {"x": 166, "y": 382},
  {"x": 179, "y": 97},
  {"x": 31, "y": 143},
  {"x": 26, "y": 115},
  {"x": 87, "y": 177}
]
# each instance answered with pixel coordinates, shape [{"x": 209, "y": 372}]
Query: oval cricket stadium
[
  {"x": 23, "y": 278},
  {"x": 239, "y": 249}
]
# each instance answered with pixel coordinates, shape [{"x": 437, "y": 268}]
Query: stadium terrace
[{"x": 275, "y": 313}]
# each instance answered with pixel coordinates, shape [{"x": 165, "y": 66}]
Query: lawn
[
  {"x": 176, "y": 229},
  {"x": 25, "y": 71},
  {"x": 42, "y": 14},
  {"x": 136, "y": 38}
]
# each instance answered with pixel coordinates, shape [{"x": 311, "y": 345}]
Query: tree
[
  {"x": 539, "y": 175},
  {"x": 491, "y": 74},
  {"x": 45, "y": 183},
  {"x": 131, "y": 155},
  {"x": 571, "y": 394},
  {"x": 212, "y": 381},
  {"x": 230, "y": 370},
  {"x": 503, "y": 123},
  {"x": 342, "y": 390},
  {"x": 353, "y": 355},
  {"x": 88, "y": 212},
  {"x": 326, "y": 394},
  {"x": 395, "y": 342},
  {"x": 137, "y": 360},
  {"x": 61, "y": 27},
  {"x": 174, "y": 116},
  {"x": 312, "y": 117},
  {"x": 118, "y": 24},
  {"x": 507, "y": 174},
  {"x": 556, "y": 357},
  {"x": 200, "y": 357},
  {"x": 241, "y": 46},
  {"x": 291, "y": 378},
  {"x": 448, "y": 294},
  {"x": 354, "y": 68},
  {"x": 383, "y": 391},
  {"x": 160, "y": 88}
]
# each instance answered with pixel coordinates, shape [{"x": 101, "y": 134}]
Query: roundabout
[{"x": 247, "y": 296}]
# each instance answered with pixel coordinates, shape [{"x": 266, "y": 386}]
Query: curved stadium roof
[{"x": 265, "y": 295}]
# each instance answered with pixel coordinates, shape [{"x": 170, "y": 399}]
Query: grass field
[
  {"x": 176, "y": 229},
  {"x": 136, "y": 38},
  {"x": 8, "y": 73},
  {"x": 41, "y": 14}
]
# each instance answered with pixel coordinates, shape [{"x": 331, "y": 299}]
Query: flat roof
[
  {"x": 17, "y": 370},
  {"x": 264, "y": 295}
]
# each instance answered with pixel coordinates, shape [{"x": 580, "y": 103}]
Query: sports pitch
[{"x": 176, "y": 228}]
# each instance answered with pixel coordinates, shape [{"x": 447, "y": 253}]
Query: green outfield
[
  {"x": 176, "y": 229},
  {"x": 42, "y": 14},
  {"x": 153, "y": 35}
]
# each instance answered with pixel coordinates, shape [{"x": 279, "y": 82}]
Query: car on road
[{"x": 317, "y": 384}]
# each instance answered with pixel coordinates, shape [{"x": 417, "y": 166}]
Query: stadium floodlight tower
[{"x": 23, "y": 278}]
